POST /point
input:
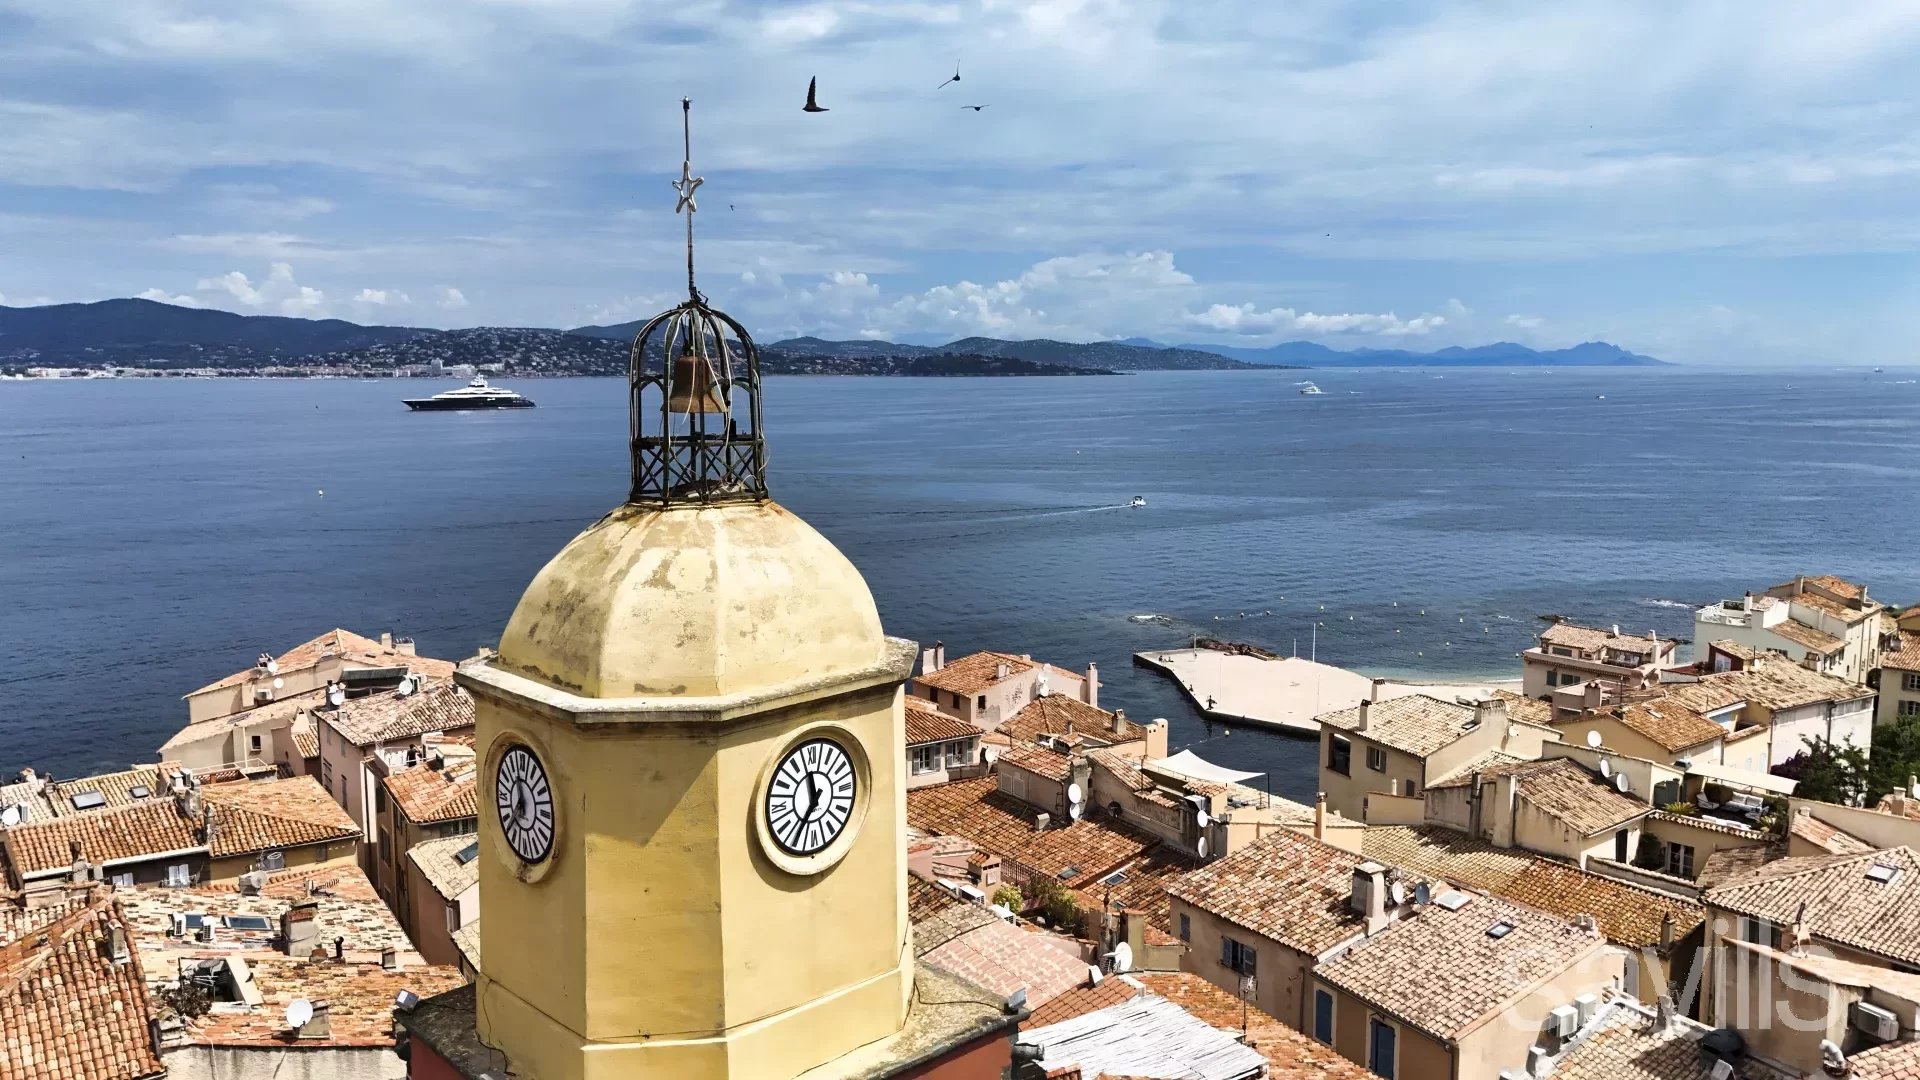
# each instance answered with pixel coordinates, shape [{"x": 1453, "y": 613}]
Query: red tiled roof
[
  {"x": 972, "y": 674},
  {"x": 272, "y": 814},
  {"x": 1287, "y": 887},
  {"x": 68, "y": 1010},
  {"x": 428, "y": 795},
  {"x": 108, "y": 836},
  {"x": 1842, "y": 903},
  {"x": 1038, "y": 760},
  {"x": 926, "y": 724},
  {"x": 1058, "y": 714},
  {"x": 390, "y": 715},
  {"x": 343, "y": 643},
  {"x": 1290, "y": 1055},
  {"x": 999, "y": 823},
  {"x": 1001, "y": 958},
  {"x": 1894, "y": 1061},
  {"x": 1826, "y": 837}
]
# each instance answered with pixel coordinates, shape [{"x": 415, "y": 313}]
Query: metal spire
[{"x": 686, "y": 186}]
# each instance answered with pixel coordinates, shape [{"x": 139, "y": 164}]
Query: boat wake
[{"x": 1656, "y": 602}]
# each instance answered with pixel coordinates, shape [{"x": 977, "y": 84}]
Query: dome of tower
[{"x": 693, "y": 601}]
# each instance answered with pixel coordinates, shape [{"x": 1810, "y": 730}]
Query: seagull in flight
[
  {"x": 975, "y": 108},
  {"x": 956, "y": 76},
  {"x": 812, "y": 105}
]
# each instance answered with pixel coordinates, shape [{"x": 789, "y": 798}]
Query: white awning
[
  {"x": 1727, "y": 774},
  {"x": 1192, "y": 766}
]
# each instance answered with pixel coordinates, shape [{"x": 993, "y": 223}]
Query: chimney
[
  {"x": 1369, "y": 897},
  {"x": 390, "y": 959},
  {"x": 939, "y": 655},
  {"x": 298, "y": 932},
  {"x": 1616, "y": 629},
  {"x": 1373, "y": 691},
  {"x": 340, "y": 948},
  {"x": 1487, "y": 712},
  {"x": 405, "y": 647},
  {"x": 386, "y": 640},
  {"x": 1001, "y": 670},
  {"x": 1663, "y": 1014},
  {"x": 1666, "y": 931},
  {"x": 1119, "y": 721},
  {"x": 1746, "y": 602},
  {"x": 1595, "y": 694},
  {"x": 1041, "y": 821},
  {"x": 1365, "y": 706},
  {"x": 1799, "y": 584},
  {"x": 1896, "y": 803},
  {"x": 117, "y": 944},
  {"x": 1093, "y": 684},
  {"x": 1320, "y": 815},
  {"x": 319, "y": 1026},
  {"x": 186, "y": 800}
]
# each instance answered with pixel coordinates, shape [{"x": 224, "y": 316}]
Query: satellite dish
[
  {"x": 1074, "y": 794},
  {"x": 1620, "y": 784},
  {"x": 279, "y": 684},
  {"x": 1606, "y": 768},
  {"x": 1593, "y": 739},
  {"x": 335, "y": 695},
  {"x": 1399, "y": 893},
  {"x": 1201, "y": 847},
  {"x": 273, "y": 668},
  {"x": 10, "y": 816},
  {"x": 1074, "y": 810},
  {"x": 405, "y": 688},
  {"x": 299, "y": 1011},
  {"x": 1422, "y": 893},
  {"x": 1122, "y": 955},
  {"x": 1200, "y": 818}
]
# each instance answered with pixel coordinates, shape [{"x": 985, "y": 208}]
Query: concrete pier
[{"x": 1284, "y": 693}]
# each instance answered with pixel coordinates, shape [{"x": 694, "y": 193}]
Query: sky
[{"x": 1708, "y": 182}]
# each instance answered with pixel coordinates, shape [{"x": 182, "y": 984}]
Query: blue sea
[{"x": 159, "y": 534}]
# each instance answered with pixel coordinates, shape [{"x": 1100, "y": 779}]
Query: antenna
[
  {"x": 279, "y": 683},
  {"x": 1593, "y": 739},
  {"x": 299, "y": 1011},
  {"x": 1422, "y": 894},
  {"x": 1122, "y": 957},
  {"x": 1074, "y": 810}
]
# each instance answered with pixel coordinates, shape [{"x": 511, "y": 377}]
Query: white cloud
[
  {"x": 1525, "y": 322},
  {"x": 452, "y": 299},
  {"x": 382, "y": 297},
  {"x": 277, "y": 294},
  {"x": 25, "y": 301},
  {"x": 164, "y": 297},
  {"x": 1247, "y": 321}
]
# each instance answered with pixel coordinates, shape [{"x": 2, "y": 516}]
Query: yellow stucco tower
[{"x": 692, "y": 820}]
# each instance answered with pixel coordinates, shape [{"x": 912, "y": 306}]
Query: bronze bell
[{"x": 695, "y": 390}]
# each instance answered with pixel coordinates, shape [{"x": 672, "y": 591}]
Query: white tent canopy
[
  {"x": 1727, "y": 774},
  {"x": 1191, "y": 766}
]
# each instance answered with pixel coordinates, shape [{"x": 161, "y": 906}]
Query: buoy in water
[{"x": 322, "y": 493}]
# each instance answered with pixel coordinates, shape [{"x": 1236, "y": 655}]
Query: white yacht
[
  {"x": 475, "y": 395},
  {"x": 1309, "y": 389}
]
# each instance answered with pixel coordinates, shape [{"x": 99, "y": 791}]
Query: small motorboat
[
  {"x": 1310, "y": 390},
  {"x": 1138, "y": 500}
]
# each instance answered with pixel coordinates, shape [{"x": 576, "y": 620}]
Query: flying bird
[
  {"x": 812, "y": 105},
  {"x": 975, "y": 108},
  {"x": 956, "y": 76}
]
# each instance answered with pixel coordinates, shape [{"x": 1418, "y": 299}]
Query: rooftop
[
  {"x": 1665, "y": 719},
  {"x": 391, "y": 715},
  {"x": 1076, "y": 853},
  {"x": 344, "y": 644},
  {"x": 1590, "y": 638},
  {"x": 974, "y": 673},
  {"x": 1627, "y": 1042},
  {"x": 1627, "y": 915},
  {"x": 1775, "y": 683},
  {"x": 263, "y": 815},
  {"x": 432, "y": 792},
  {"x": 1058, "y": 714},
  {"x": 260, "y": 717},
  {"x": 1869, "y": 902},
  {"x": 1564, "y": 789},
  {"x": 441, "y": 863},
  {"x": 1801, "y": 634},
  {"x": 1287, "y": 887},
  {"x": 1000, "y": 958},
  {"x": 926, "y": 724},
  {"x": 67, "y": 1007},
  {"x": 124, "y": 788},
  {"x": 1038, "y": 760},
  {"x": 1525, "y": 709},
  {"x": 1144, "y": 1036},
  {"x": 1417, "y": 724},
  {"x": 106, "y": 838},
  {"x": 1826, "y": 837},
  {"x": 1834, "y": 595},
  {"x": 1907, "y": 656},
  {"x": 467, "y": 940},
  {"x": 1467, "y": 974},
  {"x": 347, "y": 907},
  {"x": 1894, "y": 1061}
]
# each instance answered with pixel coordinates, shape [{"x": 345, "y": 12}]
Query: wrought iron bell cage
[{"x": 693, "y": 379}]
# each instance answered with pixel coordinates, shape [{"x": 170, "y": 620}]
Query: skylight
[
  {"x": 88, "y": 800},
  {"x": 1114, "y": 878},
  {"x": 246, "y": 922},
  {"x": 1882, "y": 873},
  {"x": 467, "y": 854},
  {"x": 1499, "y": 930},
  {"x": 1452, "y": 899},
  {"x": 1068, "y": 873},
  {"x": 139, "y": 791}
]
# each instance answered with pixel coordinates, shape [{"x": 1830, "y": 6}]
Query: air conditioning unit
[
  {"x": 1875, "y": 1021},
  {"x": 1563, "y": 1022},
  {"x": 1722, "y": 1070}
]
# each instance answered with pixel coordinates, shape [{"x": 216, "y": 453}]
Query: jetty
[{"x": 1244, "y": 684}]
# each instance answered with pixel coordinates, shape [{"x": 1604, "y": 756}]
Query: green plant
[
  {"x": 1053, "y": 900},
  {"x": 1682, "y": 809},
  {"x": 1009, "y": 897},
  {"x": 1829, "y": 772},
  {"x": 187, "y": 999}
]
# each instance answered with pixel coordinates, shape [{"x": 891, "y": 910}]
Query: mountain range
[{"x": 148, "y": 334}]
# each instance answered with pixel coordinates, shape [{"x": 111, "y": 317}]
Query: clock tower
[{"x": 692, "y": 819}]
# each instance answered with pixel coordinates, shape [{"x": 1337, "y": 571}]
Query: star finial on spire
[{"x": 686, "y": 186}]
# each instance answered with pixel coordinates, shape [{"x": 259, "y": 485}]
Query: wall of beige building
[
  {"x": 1502, "y": 1041},
  {"x": 1280, "y": 972},
  {"x": 1347, "y": 793},
  {"x": 428, "y": 916},
  {"x": 1880, "y": 830},
  {"x": 227, "y": 871},
  {"x": 1622, "y": 739},
  {"x": 271, "y": 1062},
  {"x": 1417, "y": 1055},
  {"x": 1899, "y": 695}
]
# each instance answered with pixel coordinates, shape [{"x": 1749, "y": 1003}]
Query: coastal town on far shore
[{"x": 1626, "y": 864}]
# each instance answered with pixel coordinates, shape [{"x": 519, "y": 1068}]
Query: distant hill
[
  {"x": 148, "y": 333},
  {"x": 1498, "y": 354},
  {"x": 1102, "y": 355}
]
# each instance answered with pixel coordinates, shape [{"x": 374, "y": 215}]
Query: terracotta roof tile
[
  {"x": 1038, "y": 760},
  {"x": 1894, "y": 1061},
  {"x": 1085, "y": 999},
  {"x": 1907, "y": 805},
  {"x": 1775, "y": 683},
  {"x": 1665, "y": 720},
  {"x": 1843, "y": 904},
  {"x": 1491, "y": 764},
  {"x": 926, "y": 724},
  {"x": 1801, "y": 634},
  {"x": 390, "y": 715},
  {"x": 1435, "y": 852},
  {"x": 1525, "y": 709},
  {"x": 1826, "y": 837},
  {"x": 358, "y": 997},
  {"x": 67, "y": 1008},
  {"x": 440, "y": 864},
  {"x": 125, "y": 788},
  {"x": 306, "y": 740},
  {"x": 1588, "y": 638},
  {"x": 1625, "y": 1043},
  {"x": 925, "y": 899},
  {"x": 1907, "y": 656},
  {"x": 1841, "y": 588},
  {"x": 272, "y": 814},
  {"x": 342, "y": 643},
  {"x": 107, "y": 837},
  {"x": 1287, "y": 887},
  {"x": 467, "y": 940},
  {"x": 999, "y": 823},
  {"x": 1728, "y": 863},
  {"x": 1566, "y": 790},
  {"x": 1058, "y": 714},
  {"x": 428, "y": 795},
  {"x": 1466, "y": 973},
  {"x": 972, "y": 674},
  {"x": 1290, "y": 1055},
  {"x": 1001, "y": 958},
  {"x": 1418, "y": 724}
]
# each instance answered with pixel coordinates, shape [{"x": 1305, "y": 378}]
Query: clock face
[
  {"x": 525, "y": 802},
  {"x": 811, "y": 797}
]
